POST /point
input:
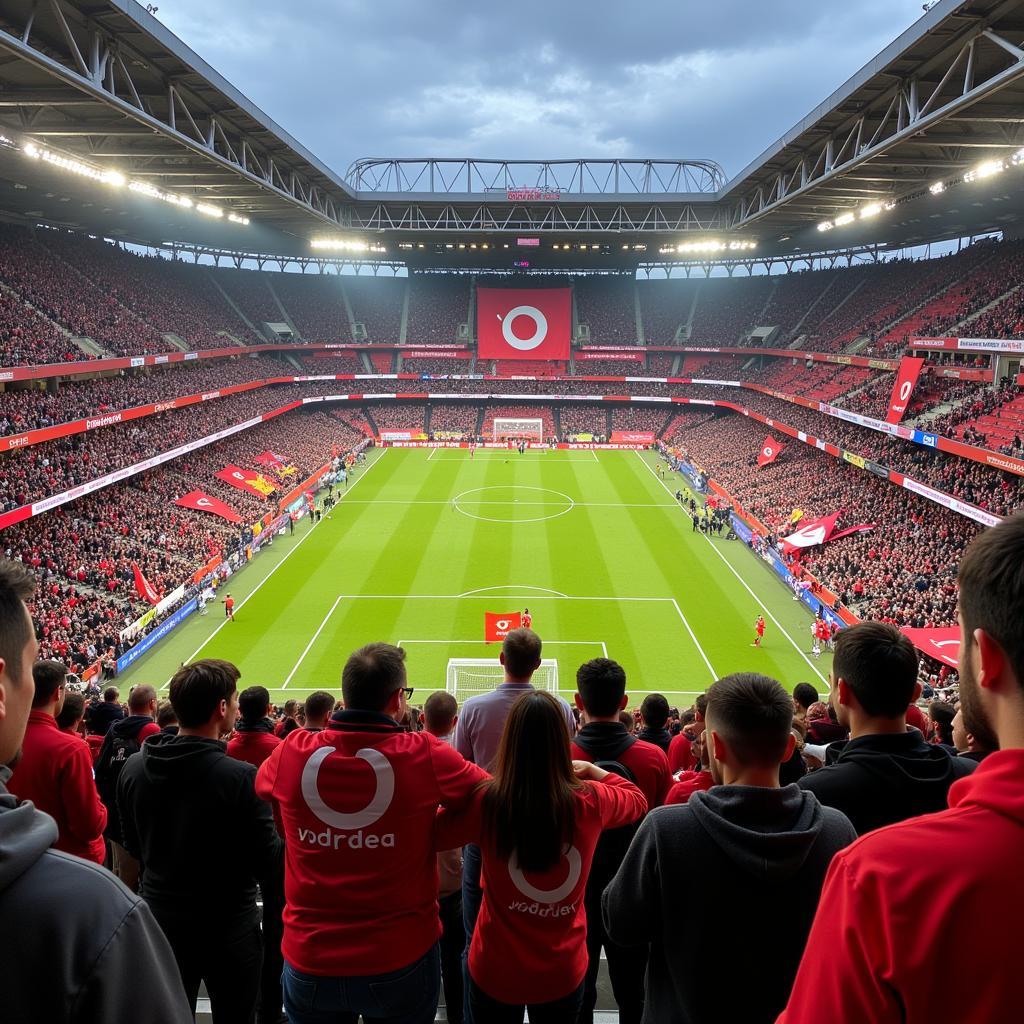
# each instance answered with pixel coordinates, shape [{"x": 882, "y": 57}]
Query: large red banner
[
  {"x": 523, "y": 323},
  {"x": 769, "y": 451},
  {"x": 498, "y": 625},
  {"x": 203, "y": 502},
  {"x": 143, "y": 587},
  {"x": 246, "y": 480},
  {"x": 903, "y": 388},
  {"x": 939, "y": 642}
]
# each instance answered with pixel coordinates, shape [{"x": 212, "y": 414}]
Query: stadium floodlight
[
  {"x": 353, "y": 245},
  {"x": 1018, "y": 158},
  {"x": 825, "y": 225},
  {"x": 986, "y": 169},
  {"x": 844, "y": 218},
  {"x": 871, "y": 210},
  {"x": 937, "y": 188}
]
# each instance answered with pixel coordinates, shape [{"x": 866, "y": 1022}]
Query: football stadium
[{"x": 485, "y": 588}]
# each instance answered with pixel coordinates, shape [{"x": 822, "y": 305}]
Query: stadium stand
[
  {"x": 376, "y": 303},
  {"x": 606, "y": 305},
  {"x": 437, "y": 305}
]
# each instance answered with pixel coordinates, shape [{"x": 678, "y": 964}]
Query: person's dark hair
[
  {"x": 319, "y": 705},
  {"x": 72, "y": 711},
  {"x": 371, "y": 675},
  {"x": 805, "y": 695},
  {"x": 252, "y": 704},
  {"x": 654, "y": 711},
  {"x": 602, "y": 685},
  {"x": 942, "y": 715},
  {"x": 521, "y": 648},
  {"x": 753, "y": 714},
  {"x": 879, "y": 664},
  {"x": 439, "y": 712},
  {"x": 47, "y": 675},
  {"x": 991, "y": 581},
  {"x": 110, "y": 694},
  {"x": 139, "y": 699},
  {"x": 197, "y": 690},
  {"x": 291, "y": 708},
  {"x": 529, "y": 806},
  {"x": 688, "y": 717},
  {"x": 16, "y": 589},
  {"x": 627, "y": 719},
  {"x": 700, "y": 705},
  {"x": 166, "y": 715}
]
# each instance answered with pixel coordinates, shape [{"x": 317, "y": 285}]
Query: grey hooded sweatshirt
[
  {"x": 78, "y": 946},
  {"x": 724, "y": 889}
]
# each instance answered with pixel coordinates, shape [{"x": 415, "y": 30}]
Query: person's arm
[
  {"x": 86, "y": 816},
  {"x": 846, "y": 959},
  {"x": 457, "y": 779},
  {"x": 631, "y": 904},
  {"x": 266, "y": 774},
  {"x": 664, "y": 782},
  {"x": 256, "y": 823},
  {"x": 125, "y": 811},
  {"x": 456, "y": 828},
  {"x": 619, "y": 801},
  {"x": 138, "y": 949}
]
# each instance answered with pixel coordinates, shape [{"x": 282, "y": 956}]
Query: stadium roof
[{"x": 881, "y": 160}]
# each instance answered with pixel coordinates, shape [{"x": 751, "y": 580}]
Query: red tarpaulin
[
  {"x": 939, "y": 642},
  {"x": 203, "y": 502},
  {"x": 903, "y": 388},
  {"x": 523, "y": 323}
]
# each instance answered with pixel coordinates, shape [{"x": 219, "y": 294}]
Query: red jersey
[
  {"x": 759, "y": 626},
  {"x": 253, "y": 747},
  {"x": 680, "y": 754},
  {"x": 527, "y": 620},
  {"x": 688, "y": 784},
  {"x": 55, "y": 773},
  {"x": 889, "y": 899},
  {"x": 530, "y": 940},
  {"x": 229, "y": 603},
  {"x": 357, "y": 804},
  {"x": 647, "y": 762}
]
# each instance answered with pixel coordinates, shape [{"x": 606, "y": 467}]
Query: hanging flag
[
  {"x": 818, "y": 531},
  {"x": 203, "y": 502},
  {"x": 497, "y": 625},
  {"x": 906, "y": 379},
  {"x": 246, "y": 480},
  {"x": 769, "y": 451},
  {"x": 143, "y": 587}
]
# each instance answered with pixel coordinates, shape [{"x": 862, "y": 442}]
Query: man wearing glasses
[{"x": 357, "y": 803}]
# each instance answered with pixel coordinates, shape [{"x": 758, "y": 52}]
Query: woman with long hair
[{"x": 537, "y": 822}]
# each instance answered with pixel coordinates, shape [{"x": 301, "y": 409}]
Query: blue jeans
[
  {"x": 406, "y": 996},
  {"x": 472, "y": 896}
]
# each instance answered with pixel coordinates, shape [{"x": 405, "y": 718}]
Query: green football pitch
[{"x": 425, "y": 541}]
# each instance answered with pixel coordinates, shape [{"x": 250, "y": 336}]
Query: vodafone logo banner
[
  {"x": 203, "y": 502},
  {"x": 906, "y": 380},
  {"x": 497, "y": 625},
  {"x": 941, "y": 643},
  {"x": 769, "y": 451},
  {"x": 523, "y": 323}
]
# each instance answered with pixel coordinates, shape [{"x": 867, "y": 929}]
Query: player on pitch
[
  {"x": 229, "y": 607},
  {"x": 759, "y": 630},
  {"x": 527, "y": 619}
]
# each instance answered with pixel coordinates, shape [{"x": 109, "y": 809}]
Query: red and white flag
[
  {"x": 939, "y": 642},
  {"x": 906, "y": 380},
  {"x": 523, "y": 323},
  {"x": 246, "y": 480},
  {"x": 203, "y": 502},
  {"x": 811, "y": 533},
  {"x": 769, "y": 451},
  {"x": 143, "y": 587},
  {"x": 498, "y": 625}
]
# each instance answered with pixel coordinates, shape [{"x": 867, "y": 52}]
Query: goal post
[
  {"x": 506, "y": 429},
  {"x": 467, "y": 677}
]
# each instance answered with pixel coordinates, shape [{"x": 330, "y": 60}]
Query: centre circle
[{"x": 491, "y": 505}]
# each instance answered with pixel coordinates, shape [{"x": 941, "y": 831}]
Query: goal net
[
  {"x": 466, "y": 677},
  {"x": 507, "y": 429}
]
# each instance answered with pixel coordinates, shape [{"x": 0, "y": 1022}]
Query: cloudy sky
[{"x": 659, "y": 78}]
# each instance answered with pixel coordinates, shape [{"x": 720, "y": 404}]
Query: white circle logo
[
  {"x": 502, "y": 623},
  {"x": 768, "y": 451},
  {"x": 379, "y": 803},
  {"x": 572, "y": 855},
  {"x": 905, "y": 388},
  {"x": 540, "y": 328}
]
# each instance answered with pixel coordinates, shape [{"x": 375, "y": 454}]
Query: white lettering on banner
[
  {"x": 204, "y": 503},
  {"x": 191, "y": 355},
  {"x": 989, "y": 345},
  {"x": 383, "y": 793},
  {"x": 138, "y": 361},
  {"x": 103, "y": 421},
  {"x": 6, "y": 375},
  {"x": 207, "y": 395},
  {"x": 947, "y": 501},
  {"x": 572, "y": 855},
  {"x": 18, "y": 442},
  {"x": 160, "y": 359},
  {"x": 720, "y": 383},
  {"x": 164, "y": 406}
]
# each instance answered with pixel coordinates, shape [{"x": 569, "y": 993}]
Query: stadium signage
[
  {"x": 533, "y": 195},
  {"x": 165, "y": 627},
  {"x": 969, "y": 344},
  {"x": 104, "y": 421}
]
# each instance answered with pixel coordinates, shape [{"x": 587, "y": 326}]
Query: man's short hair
[
  {"x": 602, "y": 685},
  {"x": 654, "y": 711},
  {"x": 197, "y": 690},
  {"x": 71, "y": 711},
  {"x": 252, "y": 704},
  {"x": 140, "y": 698},
  {"x": 16, "y": 589},
  {"x": 166, "y": 715},
  {"x": 439, "y": 712},
  {"x": 879, "y": 665},
  {"x": 371, "y": 676},
  {"x": 991, "y": 580},
  {"x": 754, "y": 715},
  {"x": 521, "y": 648},
  {"x": 110, "y": 694},
  {"x": 700, "y": 705},
  {"x": 291, "y": 708},
  {"x": 805, "y": 695},
  {"x": 319, "y": 705},
  {"x": 47, "y": 675}
]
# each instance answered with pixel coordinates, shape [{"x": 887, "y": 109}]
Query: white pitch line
[
  {"x": 433, "y": 452},
  {"x": 302, "y": 656},
  {"x": 515, "y": 501},
  {"x": 302, "y": 541},
  {"x": 491, "y": 597},
  {"x": 514, "y": 586},
  {"x": 697, "y": 644},
  {"x": 746, "y": 586}
]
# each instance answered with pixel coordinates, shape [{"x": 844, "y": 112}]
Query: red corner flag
[
  {"x": 769, "y": 451},
  {"x": 497, "y": 625},
  {"x": 143, "y": 587}
]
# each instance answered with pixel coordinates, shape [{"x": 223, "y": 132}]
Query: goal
[
  {"x": 466, "y": 677},
  {"x": 531, "y": 430}
]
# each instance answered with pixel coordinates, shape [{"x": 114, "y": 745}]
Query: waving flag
[
  {"x": 906, "y": 380},
  {"x": 939, "y": 642},
  {"x": 203, "y": 502},
  {"x": 246, "y": 480},
  {"x": 769, "y": 451},
  {"x": 143, "y": 587},
  {"x": 497, "y": 625},
  {"x": 818, "y": 531}
]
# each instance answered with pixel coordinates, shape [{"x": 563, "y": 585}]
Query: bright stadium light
[
  {"x": 825, "y": 225},
  {"x": 871, "y": 210},
  {"x": 984, "y": 170},
  {"x": 937, "y": 188},
  {"x": 1017, "y": 158},
  {"x": 844, "y": 218}
]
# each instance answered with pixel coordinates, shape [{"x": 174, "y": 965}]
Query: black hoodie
[
  {"x": 191, "y": 816},
  {"x": 748, "y": 864},
  {"x": 659, "y": 737},
  {"x": 880, "y": 779},
  {"x": 106, "y": 771}
]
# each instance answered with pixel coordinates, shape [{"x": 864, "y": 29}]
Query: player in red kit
[
  {"x": 527, "y": 619},
  {"x": 759, "y": 630},
  {"x": 229, "y": 608}
]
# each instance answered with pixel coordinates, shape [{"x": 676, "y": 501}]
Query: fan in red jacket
[
  {"x": 55, "y": 771},
  {"x": 893, "y": 899},
  {"x": 681, "y": 756},
  {"x": 254, "y": 740}
]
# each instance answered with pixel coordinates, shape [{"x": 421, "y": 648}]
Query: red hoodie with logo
[
  {"x": 895, "y": 898},
  {"x": 357, "y": 803},
  {"x": 530, "y": 940}
]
